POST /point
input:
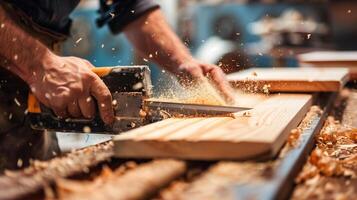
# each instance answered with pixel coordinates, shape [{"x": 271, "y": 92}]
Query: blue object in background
[{"x": 98, "y": 45}]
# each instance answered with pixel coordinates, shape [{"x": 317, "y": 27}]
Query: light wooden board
[
  {"x": 138, "y": 183},
  {"x": 346, "y": 59},
  {"x": 290, "y": 79},
  {"x": 260, "y": 134},
  {"x": 329, "y": 56}
]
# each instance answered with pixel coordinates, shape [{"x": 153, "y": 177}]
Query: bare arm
[
  {"x": 64, "y": 84},
  {"x": 155, "y": 40},
  {"x": 20, "y": 53}
]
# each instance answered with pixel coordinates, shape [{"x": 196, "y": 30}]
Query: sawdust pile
[
  {"x": 331, "y": 170},
  {"x": 202, "y": 93},
  {"x": 252, "y": 85}
]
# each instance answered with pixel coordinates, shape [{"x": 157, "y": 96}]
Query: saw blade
[{"x": 191, "y": 109}]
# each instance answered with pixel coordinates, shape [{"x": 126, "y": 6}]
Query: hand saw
[{"x": 130, "y": 87}]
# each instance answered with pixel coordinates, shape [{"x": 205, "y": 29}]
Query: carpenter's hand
[
  {"x": 67, "y": 85},
  {"x": 193, "y": 71}
]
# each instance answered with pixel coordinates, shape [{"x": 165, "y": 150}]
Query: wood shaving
[
  {"x": 295, "y": 134},
  {"x": 16, "y": 184},
  {"x": 294, "y": 137},
  {"x": 332, "y": 163},
  {"x": 266, "y": 88}
]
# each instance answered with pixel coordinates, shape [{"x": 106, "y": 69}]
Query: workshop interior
[{"x": 291, "y": 133}]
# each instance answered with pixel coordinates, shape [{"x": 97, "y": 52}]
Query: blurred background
[{"x": 234, "y": 34}]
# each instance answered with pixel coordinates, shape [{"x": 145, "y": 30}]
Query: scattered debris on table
[{"x": 331, "y": 170}]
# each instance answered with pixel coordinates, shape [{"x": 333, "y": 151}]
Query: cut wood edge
[
  {"x": 189, "y": 150},
  {"x": 290, "y": 126},
  {"x": 290, "y": 86},
  {"x": 247, "y": 81}
]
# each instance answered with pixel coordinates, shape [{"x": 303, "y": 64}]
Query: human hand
[
  {"x": 67, "y": 85},
  {"x": 194, "y": 71}
]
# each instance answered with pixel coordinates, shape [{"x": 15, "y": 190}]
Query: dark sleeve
[{"x": 119, "y": 13}]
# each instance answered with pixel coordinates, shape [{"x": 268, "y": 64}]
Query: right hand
[
  {"x": 194, "y": 71},
  {"x": 67, "y": 85}
]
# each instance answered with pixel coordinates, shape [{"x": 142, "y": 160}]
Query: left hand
[{"x": 195, "y": 71}]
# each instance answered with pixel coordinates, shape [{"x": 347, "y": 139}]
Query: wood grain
[
  {"x": 19, "y": 184},
  {"x": 290, "y": 79},
  {"x": 138, "y": 183},
  {"x": 349, "y": 117},
  {"x": 243, "y": 137}
]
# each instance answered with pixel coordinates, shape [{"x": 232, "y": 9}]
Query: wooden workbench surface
[{"x": 158, "y": 179}]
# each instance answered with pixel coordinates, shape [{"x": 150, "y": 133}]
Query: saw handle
[{"x": 34, "y": 106}]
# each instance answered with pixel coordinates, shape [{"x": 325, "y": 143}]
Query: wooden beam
[
  {"x": 290, "y": 79},
  {"x": 138, "y": 183},
  {"x": 346, "y": 59},
  {"x": 21, "y": 183},
  {"x": 262, "y": 131}
]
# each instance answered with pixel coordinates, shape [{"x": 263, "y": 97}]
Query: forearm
[
  {"x": 154, "y": 39},
  {"x": 20, "y": 53}
]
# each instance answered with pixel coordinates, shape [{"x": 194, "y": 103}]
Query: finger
[
  {"x": 104, "y": 100},
  {"x": 88, "y": 64},
  {"x": 43, "y": 99},
  {"x": 87, "y": 106},
  {"x": 74, "y": 110},
  {"x": 207, "y": 68},
  {"x": 60, "y": 112},
  {"x": 58, "y": 104},
  {"x": 190, "y": 76},
  {"x": 219, "y": 79}
]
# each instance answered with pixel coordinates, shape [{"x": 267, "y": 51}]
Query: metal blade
[{"x": 191, "y": 109}]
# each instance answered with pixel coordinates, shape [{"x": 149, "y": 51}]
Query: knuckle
[
  {"x": 92, "y": 77},
  {"x": 87, "y": 75},
  {"x": 89, "y": 64}
]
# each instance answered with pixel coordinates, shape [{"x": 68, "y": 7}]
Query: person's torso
[{"x": 52, "y": 14}]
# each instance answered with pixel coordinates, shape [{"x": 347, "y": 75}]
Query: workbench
[{"x": 93, "y": 173}]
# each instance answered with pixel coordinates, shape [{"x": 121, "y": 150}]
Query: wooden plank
[
  {"x": 242, "y": 137},
  {"x": 349, "y": 117},
  {"x": 290, "y": 79},
  {"x": 346, "y": 59},
  {"x": 18, "y": 184},
  {"x": 329, "y": 56},
  {"x": 138, "y": 183}
]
